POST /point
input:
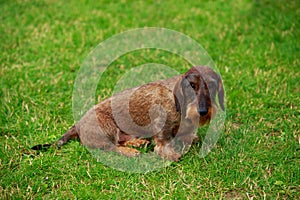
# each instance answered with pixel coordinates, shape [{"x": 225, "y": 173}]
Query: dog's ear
[
  {"x": 183, "y": 92},
  {"x": 178, "y": 94},
  {"x": 221, "y": 93}
]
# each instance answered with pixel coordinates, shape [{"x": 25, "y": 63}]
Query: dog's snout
[{"x": 203, "y": 111}]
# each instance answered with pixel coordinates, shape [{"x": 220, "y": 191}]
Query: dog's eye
[{"x": 193, "y": 85}]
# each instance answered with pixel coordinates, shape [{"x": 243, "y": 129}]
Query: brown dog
[{"x": 161, "y": 110}]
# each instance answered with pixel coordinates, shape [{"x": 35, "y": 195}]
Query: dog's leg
[
  {"x": 98, "y": 130},
  {"x": 166, "y": 150},
  {"x": 184, "y": 142},
  {"x": 164, "y": 146},
  {"x": 136, "y": 142},
  {"x": 127, "y": 151},
  {"x": 187, "y": 133}
]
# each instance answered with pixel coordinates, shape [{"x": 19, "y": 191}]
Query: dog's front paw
[
  {"x": 174, "y": 156},
  {"x": 188, "y": 139},
  {"x": 127, "y": 151},
  {"x": 167, "y": 153},
  {"x": 136, "y": 142}
]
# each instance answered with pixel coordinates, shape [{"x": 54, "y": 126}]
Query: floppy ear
[
  {"x": 178, "y": 94},
  {"x": 182, "y": 92},
  {"x": 221, "y": 93}
]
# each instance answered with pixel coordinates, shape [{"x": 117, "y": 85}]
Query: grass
[{"x": 255, "y": 45}]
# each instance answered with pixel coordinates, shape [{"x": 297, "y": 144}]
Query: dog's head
[{"x": 195, "y": 94}]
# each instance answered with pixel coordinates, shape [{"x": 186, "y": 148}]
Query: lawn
[{"x": 254, "y": 44}]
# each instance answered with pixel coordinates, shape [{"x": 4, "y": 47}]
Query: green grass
[{"x": 256, "y": 46}]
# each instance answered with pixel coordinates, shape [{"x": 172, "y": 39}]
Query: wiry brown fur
[{"x": 161, "y": 110}]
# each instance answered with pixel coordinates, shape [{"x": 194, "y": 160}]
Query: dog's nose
[{"x": 203, "y": 112}]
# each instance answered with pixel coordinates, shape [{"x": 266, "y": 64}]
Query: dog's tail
[{"x": 70, "y": 134}]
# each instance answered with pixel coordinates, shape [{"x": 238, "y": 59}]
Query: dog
[{"x": 165, "y": 111}]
